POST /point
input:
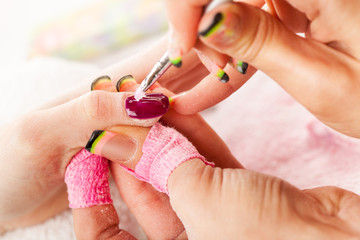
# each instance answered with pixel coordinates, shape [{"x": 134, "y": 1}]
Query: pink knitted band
[
  {"x": 86, "y": 177},
  {"x": 164, "y": 150}
]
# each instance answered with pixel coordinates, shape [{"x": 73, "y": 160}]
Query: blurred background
[
  {"x": 81, "y": 30},
  {"x": 48, "y": 46}
]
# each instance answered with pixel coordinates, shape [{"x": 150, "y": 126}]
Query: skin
[{"x": 239, "y": 202}]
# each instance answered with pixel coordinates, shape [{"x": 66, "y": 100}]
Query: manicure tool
[{"x": 156, "y": 72}]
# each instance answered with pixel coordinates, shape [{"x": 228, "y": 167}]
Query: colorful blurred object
[{"x": 100, "y": 28}]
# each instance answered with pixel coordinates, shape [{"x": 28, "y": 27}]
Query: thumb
[
  {"x": 307, "y": 69},
  {"x": 86, "y": 177},
  {"x": 96, "y": 110}
]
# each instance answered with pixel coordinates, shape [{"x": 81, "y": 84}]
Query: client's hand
[{"x": 37, "y": 147}]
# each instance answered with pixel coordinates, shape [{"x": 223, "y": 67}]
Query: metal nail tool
[{"x": 156, "y": 72}]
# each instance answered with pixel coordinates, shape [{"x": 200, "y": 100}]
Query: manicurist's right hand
[
  {"x": 321, "y": 71},
  {"x": 225, "y": 75}
]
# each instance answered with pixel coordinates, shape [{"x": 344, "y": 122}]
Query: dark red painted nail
[{"x": 151, "y": 106}]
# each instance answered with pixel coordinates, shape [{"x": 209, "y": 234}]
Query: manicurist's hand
[
  {"x": 184, "y": 18},
  {"x": 321, "y": 71}
]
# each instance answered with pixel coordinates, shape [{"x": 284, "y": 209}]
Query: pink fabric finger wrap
[
  {"x": 163, "y": 150},
  {"x": 86, "y": 177}
]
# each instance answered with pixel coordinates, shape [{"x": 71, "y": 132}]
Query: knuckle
[
  {"x": 97, "y": 105},
  {"x": 254, "y": 32},
  {"x": 259, "y": 37}
]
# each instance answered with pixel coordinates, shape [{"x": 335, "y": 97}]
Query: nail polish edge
[
  {"x": 225, "y": 78},
  {"x": 171, "y": 102},
  {"x": 177, "y": 62},
  {"x": 97, "y": 79},
  {"x": 217, "y": 20},
  {"x": 122, "y": 79},
  {"x": 94, "y": 138},
  {"x": 244, "y": 66}
]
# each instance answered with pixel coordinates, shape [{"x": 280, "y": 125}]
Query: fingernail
[
  {"x": 113, "y": 146},
  {"x": 214, "y": 25},
  {"x": 102, "y": 83},
  {"x": 151, "y": 106},
  {"x": 174, "y": 53},
  {"x": 223, "y": 30},
  {"x": 213, "y": 68},
  {"x": 125, "y": 82},
  {"x": 175, "y": 57},
  {"x": 240, "y": 66}
]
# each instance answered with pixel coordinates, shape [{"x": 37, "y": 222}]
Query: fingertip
[
  {"x": 103, "y": 83},
  {"x": 184, "y": 17},
  {"x": 101, "y": 221},
  {"x": 215, "y": 56},
  {"x": 126, "y": 83}
]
